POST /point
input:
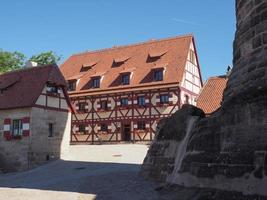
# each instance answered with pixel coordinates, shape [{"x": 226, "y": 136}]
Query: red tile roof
[
  {"x": 210, "y": 97},
  {"x": 173, "y": 51},
  {"x": 21, "y": 88}
]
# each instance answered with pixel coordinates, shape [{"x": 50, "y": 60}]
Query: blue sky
[{"x": 68, "y": 26}]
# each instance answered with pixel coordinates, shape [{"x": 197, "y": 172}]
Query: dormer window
[
  {"x": 88, "y": 66},
  {"x": 158, "y": 75},
  {"x": 125, "y": 79},
  {"x": 72, "y": 85},
  {"x": 96, "y": 82},
  {"x": 119, "y": 61},
  {"x": 155, "y": 55}
]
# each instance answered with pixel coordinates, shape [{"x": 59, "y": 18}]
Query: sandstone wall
[
  {"x": 249, "y": 75},
  {"x": 14, "y": 153},
  {"x": 30, "y": 151},
  {"x": 228, "y": 149},
  {"x": 42, "y": 147}
]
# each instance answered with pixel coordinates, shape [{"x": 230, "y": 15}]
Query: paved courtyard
[{"x": 85, "y": 172}]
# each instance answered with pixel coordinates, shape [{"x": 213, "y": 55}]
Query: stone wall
[
  {"x": 228, "y": 149},
  {"x": 159, "y": 163},
  {"x": 38, "y": 148},
  {"x": 248, "y": 78},
  {"x": 14, "y": 153},
  {"x": 42, "y": 147}
]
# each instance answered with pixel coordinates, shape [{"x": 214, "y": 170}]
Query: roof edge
[{"x": 135, "y": 44}]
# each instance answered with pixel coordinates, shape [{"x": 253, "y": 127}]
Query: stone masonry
[{"x": 228, "y": 149}]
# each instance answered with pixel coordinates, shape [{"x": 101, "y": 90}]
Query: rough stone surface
[
  {"x": 160, "y": 160},
  {"x": 29, "y": 152},
  {"x": 228, "y": 149}
]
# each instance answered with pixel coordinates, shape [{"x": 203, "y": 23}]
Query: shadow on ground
[{"x": 105, "y": 180}]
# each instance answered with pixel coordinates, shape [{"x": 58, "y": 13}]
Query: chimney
[{"x": 30, "y": 64}]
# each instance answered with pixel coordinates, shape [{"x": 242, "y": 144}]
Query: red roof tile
[
  {"x": 173, "y": 51},
  {"x": 21, "y": 88},
  {"x": 210, "y": 97}
]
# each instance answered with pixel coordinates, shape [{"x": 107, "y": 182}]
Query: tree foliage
[
  {"x": 46, "y": 58},
  {"x": 10, "y": 61}
]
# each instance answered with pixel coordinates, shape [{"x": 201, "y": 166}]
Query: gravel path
[{"x": 86, "y": 172}]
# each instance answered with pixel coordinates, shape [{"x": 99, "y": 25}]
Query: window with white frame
[{"x": 17, "y": 127}]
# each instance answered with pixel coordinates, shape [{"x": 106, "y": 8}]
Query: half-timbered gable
[
  {"x": 121, "y": 93},
  {"x": 34, "y": 117}
]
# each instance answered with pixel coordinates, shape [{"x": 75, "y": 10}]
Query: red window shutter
[
  {"x": 26, "y": 120},
  {"x": 26, "y": 126},
  {"x": 7, "y": 129},
  {"x": 7, "y": 121}
]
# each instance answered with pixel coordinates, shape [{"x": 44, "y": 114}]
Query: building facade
[
  {"x": 34, "y": 117},
  {"x": 120, "y": 94}
]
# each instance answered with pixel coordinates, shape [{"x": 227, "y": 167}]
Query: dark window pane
[
  {"x": 51, "y": 88},
  {"x": 158, "y": 75},
  {"x": 125, "y": 79},
  {"x": 82, "y": 106},
  {"x": 17, "y": 127},
  {"x": 104, "y": 105},
  {"x": 141, "y": 125},
  {"x": 124, "y": 101},
  {"x": 186, "y": 99},
  {"x": 50, "y": 130},
  {"x": 104, "y": 127},
  {"x": 72, "y": 85},
  {"x": 96, "y": 83},
  {"x": 82, "y": 128},
  {"x": 141, "y": 101},
  {"x": 164, "y": 98}
]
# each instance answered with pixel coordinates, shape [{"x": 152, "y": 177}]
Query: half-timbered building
[
  {"x": 35, "y": 117},
  {"x": 122, "y": 92}
]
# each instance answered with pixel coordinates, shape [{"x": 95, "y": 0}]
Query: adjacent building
[
  {"x": 211, "y": 94},
  {"x": 34, "y": 117},
  {"x": 120, "y": 93}
]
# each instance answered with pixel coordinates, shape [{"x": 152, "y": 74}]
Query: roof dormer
[
  {"x": 119, "y": 61},
  {"x": 88, "y": 66}
]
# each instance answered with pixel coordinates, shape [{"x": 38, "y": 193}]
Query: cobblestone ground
[{"x": 86, "y": 172}]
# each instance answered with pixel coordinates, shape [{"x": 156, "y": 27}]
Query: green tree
[
  {"x": 46, "y": 58},
  {"x": 10, "y": 61}
]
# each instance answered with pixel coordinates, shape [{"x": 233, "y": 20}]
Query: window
[
  {"x": 104, "y": 105},
  {"x": 50, "y": 130},
  {"x": 141, "y": 101},
  {"x": 124, "y": 102},
  {"x": 125, "y": 79},
  {"x": 52, "y": 88},
  {"x": 192, "y": 56},
  {"x": 17, "y": 127},
  {"x": 158, "y": 75},
  {"x": 71, "y": 85},
  {"x": 164, "y": 98},
  {"x": 82, "y": 128},
  {"x": 141, "y": 125},
  {"x": 82, "y": 106},
  {"x": 186, "y": 99},
  {"x": 104, "y": 127},
  {"x": 96, "y": 83}
]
